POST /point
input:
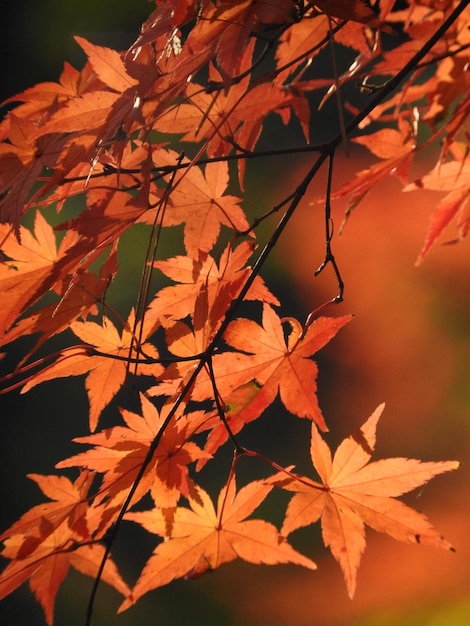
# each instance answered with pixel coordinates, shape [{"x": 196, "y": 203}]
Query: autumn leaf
[
  {"x": 199, "y": 201},
  {"x": 47, "y": 566},
  {"x": 203, "y": 538},
  {"x": 28, "y": 266},
  {"x": 191, "y": 275},
  {"x": 209, "y": 80},
  {"x": 82, "y": 292},
  {"x": 395, "y": 148},
  {"x": 355, "y": 10},
  {"x": 69, "y": 502},
  {"x": 21, "y": 162},
  {"x": 47, "y": 539},
  {"x": 279, "y": 365},
  {"x": 355, "y": 492},
  {"x": 300, "y": 39},
  {"x": 255, "y": 17},
  {"x": 454, "y": 178},
  {"x": 220, "y": 32},
  {"x": 104, "y": 359},
  {"x": 108, "y": 65},
  {"x": 208, "y": 116},
  {"x": 118, "y": 454},
  {"x": 263, "y": 359},
  {"x": 88, "y": 112},
  {"x": 40, "y": 98}
]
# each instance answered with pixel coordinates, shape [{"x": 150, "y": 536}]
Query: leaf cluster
[{"x": 207, "y": 76}]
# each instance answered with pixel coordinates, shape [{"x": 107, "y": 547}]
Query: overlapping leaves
[{"x": 208, "y": 75}]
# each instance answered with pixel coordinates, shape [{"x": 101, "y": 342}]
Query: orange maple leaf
[
  {"x": 47, "y": 566},
  {"x": 69, "y": 502},
  {"x": 202, "y": 539},
  {"x": 119, "y": 452},
  {"x": 205, "y": 115},
  {"x": 21, "y": 162},
  {"x": 82, "y": 292},
  {"x": 108, "y": 65},
  {"x": 279, "y": 365},
  {"x": 47, "y": 539},
  {"x": 198, "y": 200},
  {"x": 354, "y": 492},
  {"x": 191, "y": 275},
  {"x": 395, "y": 148},
  {"x": 28, "y": 267},
  {"x": 454, "y": 178},
  {"x": 103, "y": 359}
]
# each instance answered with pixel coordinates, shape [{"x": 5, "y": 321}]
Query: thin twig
[{"x": 329, "y": 256}]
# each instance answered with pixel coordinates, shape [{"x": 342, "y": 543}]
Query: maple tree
[{"x": 162, "y": 136}]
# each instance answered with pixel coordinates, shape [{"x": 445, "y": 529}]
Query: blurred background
[{"x": 408, "y": 345}]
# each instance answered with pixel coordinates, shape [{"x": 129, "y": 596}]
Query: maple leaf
[
  {"x": 41, "y": 100},
  {"x": 395, "y": 147},
  {"x": 234, "y": 117},
  {"x": 354, "y": 10},
  {"x": 45, "y": 542},
  {"x": 104, "y": 360},
  {"x": 185, "y": 341},
  {"x": 264, "y": 360},
  {"x": 101, "y": 108},
  {"x": 37, "y": 100},
  {"x": 24, "y": 275},
  {"x": 219, "y": 32},
  {"x": 191, "y": 275},
  {"x": 108, "y": 65},
  {"x": 202, "y": 538},
  {"x": 47, "y": 566},
  {"x": 88, "y": 112},
  {"x": 198, "y": 201},
  {"x": 202, "y": 115},
  {"x": 112, "y": 213},
  {"x": 21, "y": 162},
  {"x": 248, "y": 383},
  {"x": 98, "y": 126},
  {"x": 277, "y": 365},
  {"x": 81, "y": 292},
  {"x": 119, "y": 452},
  {"x": 355, "y": 492},
  {"x": 300, "y": 40},
  {"x": 454, "y": 178},
  {"x": 262, "y": 100},
  {"x": 69, "y": 502},
  {"x": 239, "y": 30}
]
